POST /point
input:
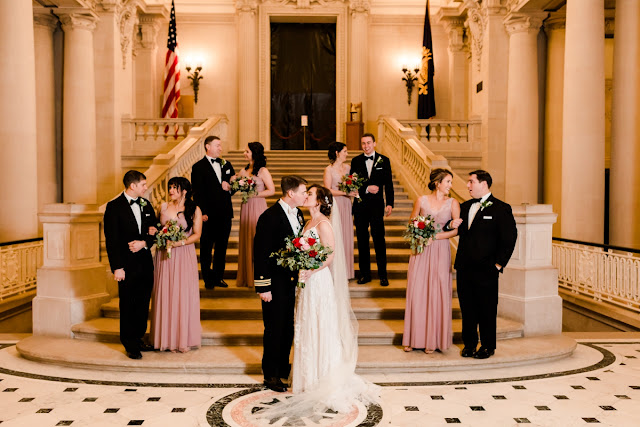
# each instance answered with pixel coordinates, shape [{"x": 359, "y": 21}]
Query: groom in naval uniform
[
  {"x": 488, "y": 235},
  {"x": 371, "y": 209},
  {"x": 210, "y": 178},
  {"x": 127, "y": 222},
  {"x": 275, "y": 284}
]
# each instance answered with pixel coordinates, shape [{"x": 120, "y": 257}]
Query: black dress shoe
[
  {"x": 275, "y": 384},
  {"x": 222, "y": 284},
  {"x": 363, "y": 280},
  {"x": 483, "y": 353},
  {"x": 468, "y": 352},
  {"x": 384, "y": 282},
  {"x": 134, "y": 355},
  {"x": 209, "y": 285},
  {"x": 146, "y": 347}
]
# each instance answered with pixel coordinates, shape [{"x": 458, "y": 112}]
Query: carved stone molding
[
  {"x": 609, "y": 26},
  {"x": 519, "y": 22},
  {"x": 75, "y": 21},
  {"x": 146, "y": 37},
  {"x": 556, "y": 22},
  {"x": 127, "y": 20},
  {"x": 359, "y": 6},
  {"x": 45, "y": 20},
  {"x": 476, "y": 24},
  {"x": 455, "y": 30},
  {"x": 247, "y": 6}
]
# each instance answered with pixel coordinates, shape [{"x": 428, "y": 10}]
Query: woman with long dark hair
[
  {"x": 175, "y": 310},
  {"x": 257, "y": 170},
  {"x": 341, "y": 216}
]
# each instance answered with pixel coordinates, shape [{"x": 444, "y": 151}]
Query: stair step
[
  {"x": 250, "y": 308},
  {"x": 395, "y": 270},
  {"x": 395, "y": 255},
  {"x": 392, "y": 242},
  {"x": 249, "y": 332}
]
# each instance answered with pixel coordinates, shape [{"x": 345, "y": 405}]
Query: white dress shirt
[
  {"x": 369, "y": 163},
  {"x": 473, "y": 210},
  {"x": 136, "y": 211},
  {"x": 292, "y": 216},
  {"x": 216, "y": 168}
]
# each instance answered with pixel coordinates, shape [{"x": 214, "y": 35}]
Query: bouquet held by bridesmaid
[
  {"x": 170, "y": 232},
  {"x": 420, "y": 231}
]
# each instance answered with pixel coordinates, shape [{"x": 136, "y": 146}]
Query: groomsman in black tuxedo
[
  {"x": 488, "y": 235},
  {"x": 128, "y": 219},
  {"x": 275, "y": 284},
  {"x": 371, "y": 210},
  {"x": 210, "y": 178}
]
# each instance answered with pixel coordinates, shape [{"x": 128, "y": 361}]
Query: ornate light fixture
[
  {"x": 195, "y": 78},
  {"x": 410, "y": 80}
]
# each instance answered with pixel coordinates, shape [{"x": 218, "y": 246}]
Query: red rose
[
  {"x": 249, "y": 182},
  {"x": 313, "y": 253},
  {"x": 311, "y": 240},
  {"x": 421, "y": 225},
  {"x": 349, "y": 182},
  {"x": 296, "y": 243}
]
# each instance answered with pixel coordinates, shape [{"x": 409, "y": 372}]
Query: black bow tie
[
  {"x": 368, "y": 158},
  {"x": 132, "y": 201},
  {"x": 216, "y": 161},
  {"x": 476, "y": 200}
]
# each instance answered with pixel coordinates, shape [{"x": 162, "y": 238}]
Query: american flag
[{"x": 171, "y": 73}]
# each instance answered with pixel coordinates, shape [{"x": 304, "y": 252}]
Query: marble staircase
[{"x": 231, "y": 318}]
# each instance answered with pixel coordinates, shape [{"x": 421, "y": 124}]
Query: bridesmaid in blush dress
[
  {"x": 175, "y": 308},
  {"x": 427, "y": 317},
  {"x": 333, "y": 174},
  {"x": 251, "y": 211}
]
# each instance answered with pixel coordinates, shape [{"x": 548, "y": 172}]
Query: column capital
[
  {"x": 247, "y": 6},
  {"x": 75, "y": 21},
  {"x": 45, "y": 20},
  {"x": 149, "y": 27},
  {"x": 454, "y": 27},
  {"x": 556, "y": 21},
  {"x": 524, "y": 22},
  {"x": 359, "y": 7},
  {"x": 609, "y": 26}
]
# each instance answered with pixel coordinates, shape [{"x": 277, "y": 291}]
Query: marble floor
[{"x": 598, "y": 384}]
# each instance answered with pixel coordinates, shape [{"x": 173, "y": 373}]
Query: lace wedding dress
[{"x": 325, "y": 344}]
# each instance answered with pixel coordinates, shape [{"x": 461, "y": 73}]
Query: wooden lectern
[{"x": 354, "y": 134}]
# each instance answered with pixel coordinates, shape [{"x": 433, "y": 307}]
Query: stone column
[
  {"x": 72, "y": 280},
  {"x": 18, "y": 159},
  {"x": 529, "y": 285},
  {"x": 624, "y": 201},
  {"x": 44, "y": 25},
  {"x": 146, "y": 74},
  {"x": 247, "y": 72},
  {"x": 582, "y": 213},
  {"x": 521, "y": 177},
  {"x": 79, "y": 115},
  {"x": 457, "y": 68},
  {"x": 358, "y": 55},
  {"x": 552, "y": 190}
]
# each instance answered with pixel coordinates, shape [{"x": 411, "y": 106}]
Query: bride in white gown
[{"x": 325, "y": 329}]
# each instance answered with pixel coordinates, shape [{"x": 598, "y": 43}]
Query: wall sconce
[
  {"x": 195, "y": 78},
  {"x": 410, "y": 79}
]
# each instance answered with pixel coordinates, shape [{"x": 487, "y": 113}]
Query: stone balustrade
[{"x": 18, "y": 267}]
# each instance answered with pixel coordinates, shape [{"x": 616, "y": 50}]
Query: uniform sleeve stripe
[{"x": 265, "y": 282}]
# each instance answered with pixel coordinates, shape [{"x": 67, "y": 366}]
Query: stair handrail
[
  {"x": 179, "y": 160},
  {"x": 402, "y": 145}
]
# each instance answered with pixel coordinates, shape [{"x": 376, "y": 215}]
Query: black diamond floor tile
[
  {"x": 70, "y": 389},
  {"x": 519, "y": 387},
  {"x": 90, "y": 399},
  {"x": 622, "y": 396},
  {"x": 499, "y": 397},
  {"x": 591, "y": 420},
  {"x": 135, "y": 422},
  {"x": 44, "y": 410},
  {"x": 437, "y": 397},
  {"x": 26, "y": 399},
  {"x": 452, "y": 420},
  {"x": 65, "y": 423},
  {"x": 543, "y": 408},
  {"x": 476, "y": 408},
  {"x": 9, "y": 390},
  {"x": 411, "y": 408},
  {"x": 577, "y": 387},
  {"x": 111, "y": 410},
  {"x": 522, "y": 421},
  {"x": 178, "y": 409},
  {"x": 153, "y": 399},
  {"x": 593, "y": 378},
  {"x": 608, "y": 408},
  {"x": 560, "y": 397}
]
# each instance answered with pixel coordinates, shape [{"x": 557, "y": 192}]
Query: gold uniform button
[
  {"x": 262, "y": 277},
  {"x": 292, "y": 279}
]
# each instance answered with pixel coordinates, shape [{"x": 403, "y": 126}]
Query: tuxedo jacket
[
  {"x": 380, "y": 176},
  {"x": 208, "y": 194},
  {"x": 120, "y": 228},
  {"x": 272, "y": 229},
  {"x": 491, "y": 238}
]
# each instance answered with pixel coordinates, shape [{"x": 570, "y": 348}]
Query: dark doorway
[{"x": 303, "y": 82}]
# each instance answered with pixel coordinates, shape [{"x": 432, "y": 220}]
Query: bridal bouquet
[
  {"x": 302, "y": 253},
  {"x": 351, "y": 182},
  {"x": 420, "y": 231},
  {"x": 245, "y": 186},
  {"x": 170, "y": 232}
]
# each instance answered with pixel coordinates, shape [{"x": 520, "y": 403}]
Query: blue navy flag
[{"x": 426, "y": 98}]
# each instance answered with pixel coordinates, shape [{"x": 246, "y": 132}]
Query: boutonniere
[
  {"x": 485, "y": 204},
  {"x": 222, "y": 162},
  {"x": 300, "y": 219},
  {"x": 143, "y": 202},
  {"x": 380, "y": 160}
]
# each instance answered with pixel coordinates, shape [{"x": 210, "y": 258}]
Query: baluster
[
  {"x": 433, "y": 133},
  {"x": 424, "y": 137},
  {"x": 464, "y": 133},
  {"x": 444, "y": 137},
  {"x": 454, "y": 131},
  {"x": 139, "y": 131}
]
